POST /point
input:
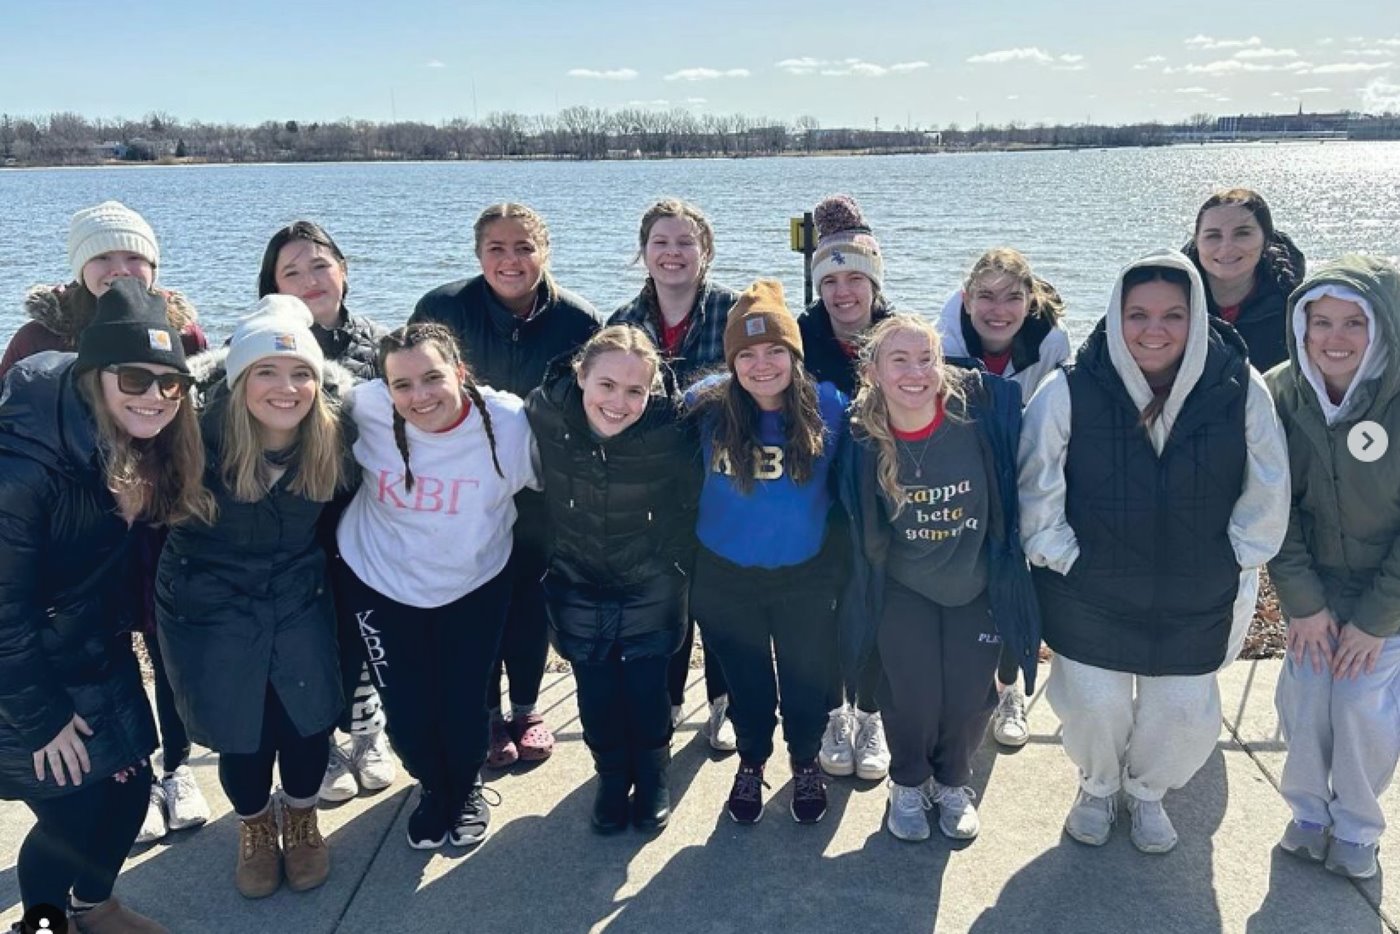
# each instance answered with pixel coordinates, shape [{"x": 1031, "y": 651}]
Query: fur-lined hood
[{"x": 46, "y": 304}]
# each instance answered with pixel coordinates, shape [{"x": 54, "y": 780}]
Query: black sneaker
[
  {"x": 808, "y": 793},
  {"x": 429, "y": 823},
  {"x": 746, "y": 797},
  {"x": 470, "y": 824}
]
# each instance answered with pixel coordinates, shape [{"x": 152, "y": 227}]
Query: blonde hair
[
  {"x": 535, "y": 228},
  {"x": 165, "y": 474},
  {"x": 319, "y": 466},
  {"x": 871, "y": 416},
  {"x": 1041, "y": 298},
  {"x": 620, "y": 338}
]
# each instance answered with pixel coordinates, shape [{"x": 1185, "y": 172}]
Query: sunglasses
[{"x": 135, "y": 380}]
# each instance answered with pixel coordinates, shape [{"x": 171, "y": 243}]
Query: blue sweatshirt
[{"x": 780, "y": 523}]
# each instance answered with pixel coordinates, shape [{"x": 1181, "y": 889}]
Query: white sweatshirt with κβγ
[{"x": 450, "y": 533}]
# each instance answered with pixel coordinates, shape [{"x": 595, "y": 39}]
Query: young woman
[
  {"x": 90, "y": 447},
  {"x": 246, "y": 621},
  {"x": 1335, "y": 575},
  {"x": 940, "y": 584},
  {"x": 1161, "y": 425},
  {"x": 424, "y": 552},
  {"x": 1008, "y": 319},
  {"x": 106, "y": 243},
  {"x": 510, "y": 322},
  {"x": 621, "y": 476},
  {"x": 1249, "y": 270},
  {"x": 684, "y": 314},
  {"x": 302, "y": 260},
  {"x": 765, "y": 584},
  {"x": 849, "y": 270}
]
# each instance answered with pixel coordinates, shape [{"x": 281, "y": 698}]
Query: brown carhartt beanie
[{"x": 761, "y": 316}]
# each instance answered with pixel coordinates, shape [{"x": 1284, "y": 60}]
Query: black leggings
[
  {"x": 623, "y": 704},
  {"x": 301, "y": 761},
  {"x": 80, "y": 840},
  {"x": 525, "y": 642},
  {"x": 752, "y": 616},
  {"x": 678, "y": 671},
  {"x": 174, "y": 740}
]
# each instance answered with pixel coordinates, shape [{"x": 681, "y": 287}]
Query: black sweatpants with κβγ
[
  {"x": 937, "y": 693},
  {"x": 431, "y": 667},
  {"x": 80, "y": 840},
  {"x": 750, "y": 616}
]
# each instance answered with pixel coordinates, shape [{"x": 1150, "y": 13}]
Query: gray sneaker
[
  {"x": 1152, "y": 829},
  {"x": 1354, "y": 860},
  {"x": 908, "y": 818},
  {"x": 1305, "y": 840},
  {"x": 957, "y": 818},
  {"x": 1090, "y": 820}
]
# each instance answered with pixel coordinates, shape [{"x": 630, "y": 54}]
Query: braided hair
[{"x": 441, "y": 338}]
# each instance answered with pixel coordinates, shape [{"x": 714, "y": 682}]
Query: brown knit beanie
[
  {"x": 844, "y": 242},
  {"x": 761, "y": 316}
]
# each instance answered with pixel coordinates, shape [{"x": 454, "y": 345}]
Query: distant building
[{"x": 1299, "y": 124}]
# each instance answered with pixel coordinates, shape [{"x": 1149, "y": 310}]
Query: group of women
[{"x": 872, "y": 516}]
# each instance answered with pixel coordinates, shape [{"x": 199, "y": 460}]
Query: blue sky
[{"x": 850, "y": 63}]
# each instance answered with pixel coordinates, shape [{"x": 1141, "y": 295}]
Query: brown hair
[
  {"x": 1139, "y": 275},
  {"x": 439, "y": 337},
  {"x": 535, "y": 228},
  {"x": 319, "y": 464},
  {"x": 1246, "y": 198},
  {"x": 869, "y": 411},
  {"x": 623, "y": 338},
  {"x": 675, "y": 207},
  {"x": 735, "y": 419},
  {"x": 1041, "y": 298},
  {"x": 165, "y": 473}
]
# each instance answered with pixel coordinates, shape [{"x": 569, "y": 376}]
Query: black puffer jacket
[
  {"x": 244, "y": 603},
  {"x": 354, "y": 344},
  {"x": 1263, "y": 318},
  {"x": 511, "y": 354},
  {"x": 66, "y": 601}
]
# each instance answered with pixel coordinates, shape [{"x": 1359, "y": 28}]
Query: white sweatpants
[
  {"x": 1343, "y": 744},
  {"x": 1145, "y": 745}
]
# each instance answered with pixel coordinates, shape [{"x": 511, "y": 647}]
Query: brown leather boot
[
  {"x": 259, "y": 870},
  {"x": 112, "y": 917},
  {"x": 308, "y": 857}
]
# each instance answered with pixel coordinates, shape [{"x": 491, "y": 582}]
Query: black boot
[
  {"x": 651, "y": 799},
  {"x": 614, "y": 782}
]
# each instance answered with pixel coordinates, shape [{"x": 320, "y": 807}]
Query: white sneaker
[
  {"x": 1152, "y": 828},
  {"x": 717, "y": 729},
  {"x": 837, "y": 756},
  {"x": 183, "y": 799},
  {"x": 908, "y": 818},
  {"x": 871, "y": 751},
  {"x": 957, "y": 818},
  {"x": 338, "y": 784},
  {"x": 370, "y": 758},
  {"x": 153, "y": 828},
  {"x": 1009, "y": 725},
  {"x": 1090, "y": 819}
]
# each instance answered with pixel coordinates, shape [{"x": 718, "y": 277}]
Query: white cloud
[
  {"x": 1154, "y": 59},
  {"x": 706, "y": 74},
  {"x": 1315, "y": 91},
  {"x": 1327, "y": 41},
  {"x": 696, "y": 101},
  {"x": 840, "y": 68},
  {"x": 1390, "y": 43},
  {"x": 1380, "y": 96},
  {"x": 1071, "y": 59},
  {"x": 434, "y": 63},
  {"x": 1192, "y": 90},
  {"x": 659, "y": 103},
  {"x": 1139, "y": 67},
  {"x": 1012, "y": 55},
  {"x": 1233, "y": 66},
  {"x": 1266, "y": 53},
  {"x": 1347, "y": 68},
  {"x": 1367, "y": 53},
  {"x": 1207, "y": 44},
  {"x": 605, "y": 74},
  {"x": 1013, "y": 97}
]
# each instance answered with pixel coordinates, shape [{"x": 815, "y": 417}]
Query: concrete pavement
[{"x": 543, "y": 870}]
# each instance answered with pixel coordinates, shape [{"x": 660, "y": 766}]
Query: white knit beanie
[
  {"x": 845, "y": 242},
  {"x": 277, "y": 326},
  {"x": 106, "y": 228}
]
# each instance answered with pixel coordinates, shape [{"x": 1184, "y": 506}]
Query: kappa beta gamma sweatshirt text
[{"x": 451, "y": 533}]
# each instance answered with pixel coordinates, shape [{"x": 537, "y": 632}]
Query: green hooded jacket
[{"x": 1342, "y": 550}]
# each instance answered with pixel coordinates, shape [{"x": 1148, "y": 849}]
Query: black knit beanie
[{"x": 130, "y": 327}]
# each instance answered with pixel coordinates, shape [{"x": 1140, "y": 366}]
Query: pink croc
[
  {"x": 532, "y": 738},
  {"x": 503, "y": 752}
]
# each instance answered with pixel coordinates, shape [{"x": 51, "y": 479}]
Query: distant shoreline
[{"x": 189, "y": 161}]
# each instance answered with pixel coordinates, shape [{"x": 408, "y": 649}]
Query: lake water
[{"x": 1079, "y": 216}]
